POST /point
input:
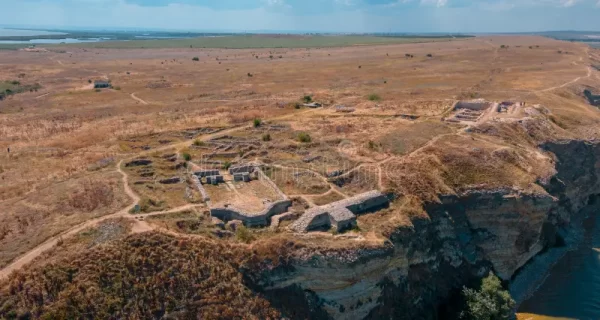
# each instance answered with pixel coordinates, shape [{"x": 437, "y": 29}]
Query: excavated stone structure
[
  {"x": 340, "y": 215},
  {"x": 250, "y": 219}
]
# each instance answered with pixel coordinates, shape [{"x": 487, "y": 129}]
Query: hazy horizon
[
  {"x": 50, "y": 29},
  {"x": 297, "y": 16}
]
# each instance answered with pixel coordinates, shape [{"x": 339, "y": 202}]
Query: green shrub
[
  {"x": 199, "y": 143},
  {"x": 147, "y": 204},
  {"x": 243, "y": 234},
  {"x": 490, "y": 302},
  {"x": 195, "y": 59},
  {"x": 89, "y": 80},
  {"x": 226, "y": 165},
  {"x": 372, "y": 145},
  {"x": 297, "y": 106},
  {"x": 257, "y": 122},
  {"x": 307, "y": 99},
  {"x": 374, "y": 97},
  {"x": 117, "y": 88},
  {"x": 266, "y": 137},
  {"x": 304, "y": 137},
  {"x": 186, "y": 156}
]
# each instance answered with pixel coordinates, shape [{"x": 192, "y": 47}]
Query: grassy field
[{"x": 258, "y": 41}]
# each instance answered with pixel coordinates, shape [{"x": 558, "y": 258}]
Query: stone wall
[
  {"x": 263, "y": 178},
  {"x": 200, "y": 188},
  {"x": 477, "y": 105},
  {"x": 207, "y": 173},
  {"x": 340, "y": 214},
  {"x": 251, "y": 219}
]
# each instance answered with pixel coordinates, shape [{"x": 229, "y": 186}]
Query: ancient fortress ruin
[
  {"x": 243, "y": 173},
  {"x": 340, "y": 215},
  {"x": 480, "y": 110},
  {"x": 469, "y": 111}
]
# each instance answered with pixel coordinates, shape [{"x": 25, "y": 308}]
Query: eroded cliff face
[{"x": 465, "y": 236}]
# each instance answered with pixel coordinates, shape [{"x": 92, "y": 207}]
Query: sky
[{"x": 448, "y": 16}]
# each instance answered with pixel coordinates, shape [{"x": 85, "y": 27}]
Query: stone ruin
[
  {"x": 200, "y": 188},
  {"x": 212, "y": 176},
  {"x": 508, "y": 106},
  {"x": 469, "y": 111},
  {"x": 340, "y": 215},
  {"x": 206, "y": 173},
  {"x": 262, "y": 218},
  {"x": 214, "y": 180},
  {"x": 244, "y": 176}
]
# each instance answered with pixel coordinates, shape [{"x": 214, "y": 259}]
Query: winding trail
[
  {"x": 139, "y": 225},
  {"x": 138, "y": 99},
  {"x": 589, "y": 74}
]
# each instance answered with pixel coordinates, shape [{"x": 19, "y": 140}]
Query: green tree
[{"x": 490, "y": 302}]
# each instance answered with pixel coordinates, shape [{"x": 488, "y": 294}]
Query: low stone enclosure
[
  {"x": 340, "y": 215},
  {"x": 251, "y": 219},
  {"x": 262, "y": 218},
  {"x": 469, "y": 111},
  {"x": 508, "y": 106}
]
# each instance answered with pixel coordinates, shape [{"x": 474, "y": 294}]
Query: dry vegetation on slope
[{"x": 146, "y": 276}]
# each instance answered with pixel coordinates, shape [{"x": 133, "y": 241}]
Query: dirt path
[
  {"x": 51, "y": 242},
  {"x": 174, "y": 210},
  {"x": 43, "y": 95},
  {"x": 139, "y": 225},
  {"x": 589, "y": 74},
  {"x": 138, "y": 99}
]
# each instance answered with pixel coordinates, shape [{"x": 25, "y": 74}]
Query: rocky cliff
[{"x": 464, "y": 236}]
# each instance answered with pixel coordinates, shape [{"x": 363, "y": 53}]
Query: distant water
[
  {"x": 572, "y": 289},
  {"x": 26, "y": 33},
  {"x": 50, "y": 41}
]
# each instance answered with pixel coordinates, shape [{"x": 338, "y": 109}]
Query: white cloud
[
  {"x": 346, "y": 2},
  {"x": 568, "y": 3},
  {"x": 437, "y": 3}
]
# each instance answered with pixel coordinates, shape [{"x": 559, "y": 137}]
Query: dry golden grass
[
  {"x": 327, "y": 198},
  {"x": 57, "y": 134},
  {"x": 27, "y": 222}
]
